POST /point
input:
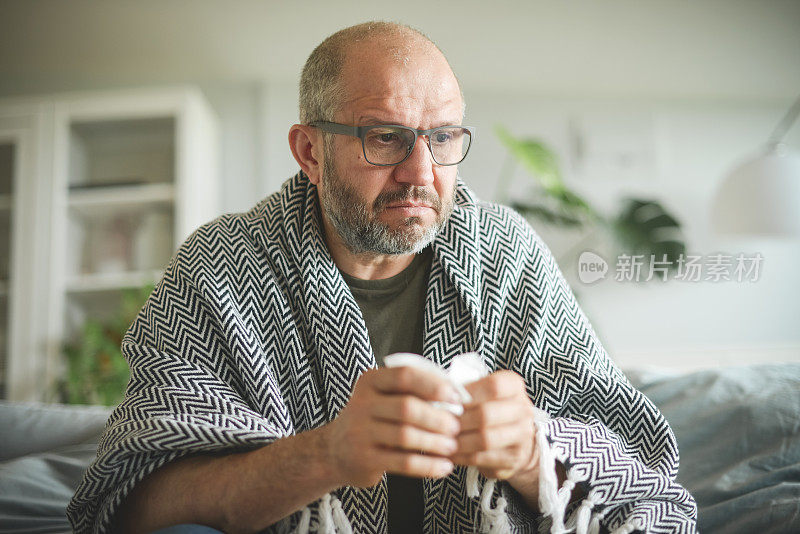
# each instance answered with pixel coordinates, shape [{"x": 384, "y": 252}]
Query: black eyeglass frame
[{"x": 361, "y": 132}]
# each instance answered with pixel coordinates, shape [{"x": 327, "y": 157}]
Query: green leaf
[
  {"x": 538, "y": 159},
  {"x": 558, "y": 204},
  {"x": 547, "y": 215},
  {"x": 96, "y": 369},
  {"x": 645, "y": 227}
]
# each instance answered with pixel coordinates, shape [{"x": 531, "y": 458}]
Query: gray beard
[{"x": 358, "y": 226}]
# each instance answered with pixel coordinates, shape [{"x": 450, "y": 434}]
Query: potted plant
[
  {"x": 640, "y": 226},
  {"x": 97, "y": 373}
]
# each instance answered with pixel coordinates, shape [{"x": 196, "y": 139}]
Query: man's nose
[{"x": 417, "y": 169}]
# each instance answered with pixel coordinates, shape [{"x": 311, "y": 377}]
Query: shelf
[
  {"x": 107, "y": 152},
  {"x": 121, "y": 196},
  {"x": 98, "y": 282}
]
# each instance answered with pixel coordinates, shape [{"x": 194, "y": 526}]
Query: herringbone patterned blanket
[{"x": 253, "y": 335}]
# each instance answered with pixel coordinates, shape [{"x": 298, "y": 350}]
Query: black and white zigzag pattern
[{"x": 253, "y": 335}]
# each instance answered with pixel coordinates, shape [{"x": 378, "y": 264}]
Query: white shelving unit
[
  {"x": 128, "y": 176},
  {"x": 19, "y": 125},
  {"x": 7, "y": 187}
]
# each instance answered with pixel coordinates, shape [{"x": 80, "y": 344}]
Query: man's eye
[
  {"x": 384, "y": 137},
  {"x": 442, "y": 137}
]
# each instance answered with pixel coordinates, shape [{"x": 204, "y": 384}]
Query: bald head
[{"x": 322, "y": 88}]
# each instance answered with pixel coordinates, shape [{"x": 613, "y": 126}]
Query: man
[{"x": 256, "y": 399}]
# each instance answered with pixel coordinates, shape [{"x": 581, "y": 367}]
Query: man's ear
[{"x": 306, "y": 145}]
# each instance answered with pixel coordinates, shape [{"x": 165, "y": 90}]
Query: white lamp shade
[{"x": 761, "y": 196}]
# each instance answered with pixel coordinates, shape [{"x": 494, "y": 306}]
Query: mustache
[{"x": 409, "y": 192}]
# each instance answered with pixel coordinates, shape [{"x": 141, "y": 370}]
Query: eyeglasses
[{"x": 391, "y": 144}]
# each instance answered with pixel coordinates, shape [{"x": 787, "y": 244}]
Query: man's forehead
[
  {"x": 376, "y": 80},
  {"x": 410, "y": 110}
]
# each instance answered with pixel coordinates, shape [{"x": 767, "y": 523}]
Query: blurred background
[{"x": 614, "y": 125}]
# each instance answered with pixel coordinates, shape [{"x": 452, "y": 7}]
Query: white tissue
[{"x": 464, "y": 368}]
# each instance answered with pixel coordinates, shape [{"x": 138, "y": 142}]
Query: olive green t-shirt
[{"x": 394, "y": 310}]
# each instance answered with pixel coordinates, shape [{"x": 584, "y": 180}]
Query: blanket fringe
[
  {"x": 493, "y": 520},
  {"x": 340, "y": 518},
  {"x": 472, "y": 482},
  {"x": 553, "y": 501},
  {"x": 332, "y": 519},
  {"x": 325, "y": 513},
  {"x": 305, "y": 521}
]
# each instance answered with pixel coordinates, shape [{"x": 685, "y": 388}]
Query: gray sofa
[
  {"x": 44, "y": 450},
  {"x": 738, "y": 430}
]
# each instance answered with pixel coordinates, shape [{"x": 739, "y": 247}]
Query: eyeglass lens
[{"x": 390, "y": 145}]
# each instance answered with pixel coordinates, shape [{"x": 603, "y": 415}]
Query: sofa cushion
[{"x": 35, "y": 427}]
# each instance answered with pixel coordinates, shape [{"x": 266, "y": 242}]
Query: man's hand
[
  {"x": 390, "y": 425},
  {"x": 497, "y": 431}
]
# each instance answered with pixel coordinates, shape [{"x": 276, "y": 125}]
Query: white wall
[
  {"x": 713, "y": 48},
  {"x": 239, "y": 120}
]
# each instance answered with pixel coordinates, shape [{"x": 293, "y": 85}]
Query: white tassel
[
  {"x": 583, "y": 515},
  {"x": 565, "y": 493},
  {"x": 340, "y": 518},
  {"x": 486, "y": 506},
  {"x": 305, "y": 521},
  {"x": 580, "y": 518},
  {"x": 325, "y": 513},
  {"x": 493, "y": 520},
  {"x": 500, "y": 525},
  {"x": 331, "y": 518},
  {"x": 472, "y": 482},
  {"x": 594, "y": 526}
]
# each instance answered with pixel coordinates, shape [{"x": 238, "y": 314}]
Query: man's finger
[
  {"x": 495, "y": 459},
  {"x": 498, "y": 385},
  {"x": 498, "y": 463},
  {"x": 412, "y": 381},
  {"x": 495, "y": 413},
  {"x": 412, "y": 438},
  {"x": 496, "y": 437},
  {"x": 414, "y": 464},
  {"x": 415, "y": 411}
]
